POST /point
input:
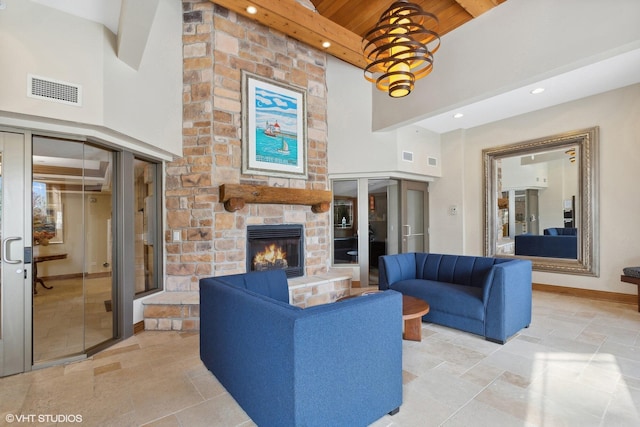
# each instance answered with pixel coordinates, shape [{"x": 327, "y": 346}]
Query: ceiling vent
[
  {"x": 54, "y": 90},
  {"x": 407, "y": 156},
  {"x": 432, "y": 161}
]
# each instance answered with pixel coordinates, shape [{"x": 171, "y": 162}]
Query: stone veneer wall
[{"x": 217, "y": 45}]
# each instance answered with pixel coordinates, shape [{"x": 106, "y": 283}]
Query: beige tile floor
[
  {"x": 577, "y": 365},
  {"x": 70, "y": 317}
]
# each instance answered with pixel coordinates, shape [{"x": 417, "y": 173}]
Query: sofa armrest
[
  {"x": 393, "y": 268},
  {"x": 355, "y": 350},
  {"x": 246, "y": 341},
  {"x": 507, "y": 299}
]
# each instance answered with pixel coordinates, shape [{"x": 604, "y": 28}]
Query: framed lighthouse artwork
[{"x": 274, "y": 128}]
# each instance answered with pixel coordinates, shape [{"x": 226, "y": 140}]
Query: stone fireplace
[
  {"x": 276, "y": 247},
  {"x": 203, "y": 238}
]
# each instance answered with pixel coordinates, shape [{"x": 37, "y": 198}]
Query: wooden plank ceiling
[
  {"x": 359, "y": 16},
  {"x": 343, "y": 23}
]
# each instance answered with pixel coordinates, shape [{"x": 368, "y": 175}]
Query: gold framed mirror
[{"x": 541, "y": 202}]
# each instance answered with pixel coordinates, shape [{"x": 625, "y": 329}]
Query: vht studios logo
[{"x": 43, "y": 418}]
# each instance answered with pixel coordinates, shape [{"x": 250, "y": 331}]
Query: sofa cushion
[
  {"x": 458, "y": 300},
  {"x": 561, "y": 231},
  {"x": 458, "y": 269},
  {"x": 272, "y": 284},
  {"x": 560, "y": 246}
]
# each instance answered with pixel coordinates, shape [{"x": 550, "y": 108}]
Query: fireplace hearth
[{"x": 276, "y": 247}]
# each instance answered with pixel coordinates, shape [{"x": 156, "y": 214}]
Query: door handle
[
  {"x": 5, "y": 249},
  {"x": 408, "y": 231}
]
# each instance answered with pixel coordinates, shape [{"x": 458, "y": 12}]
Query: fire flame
[{"x": 270, "y": 254}]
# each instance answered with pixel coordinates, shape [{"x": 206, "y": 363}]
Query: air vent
[
  {"x": 407, "y": 156},
  {"x": 54, "y": 90},
  {"x": 432, "y": 161}
]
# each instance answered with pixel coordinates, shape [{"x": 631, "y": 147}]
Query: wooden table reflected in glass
[{"x": 43, "y": 258}]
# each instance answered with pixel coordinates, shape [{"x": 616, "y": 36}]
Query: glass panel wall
[
  {"x": 415, "y": 221},
  {"x": 72, "y": 247},
  {"x": 1, "y": 237},
  {"x": 365, "y": 225},
  {"x": 345, "y": 222},
  {"x": 98, "y": 242},
  {"x": 146, "y": 181},
  {"x": 383, "y": 211}
]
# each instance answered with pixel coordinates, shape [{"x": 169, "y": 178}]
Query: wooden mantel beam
[
  {"x": 302, "y": 24},
  {"x": 234, "y": 196}
]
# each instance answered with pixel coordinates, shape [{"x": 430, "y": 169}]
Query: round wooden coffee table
[{"x": 412, "y": 311}]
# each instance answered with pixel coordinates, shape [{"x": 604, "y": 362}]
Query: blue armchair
[{"x": 337, "y": 364}]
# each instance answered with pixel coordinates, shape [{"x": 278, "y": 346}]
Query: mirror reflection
[
  {"x": 536, "y": 204},
  {"x": 540, "y": 202}
]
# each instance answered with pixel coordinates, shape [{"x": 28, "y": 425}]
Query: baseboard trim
[
  {"x": 138, "y": 327},
  {"x": 588, "y": 293}
]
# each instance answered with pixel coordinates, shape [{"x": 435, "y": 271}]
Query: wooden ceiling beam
[
  {"x": 302, "y": 24},
  {"x": 477, "y": 7}
]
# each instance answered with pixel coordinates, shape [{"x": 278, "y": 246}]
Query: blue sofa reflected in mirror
[{"x": 556, "y": 242}]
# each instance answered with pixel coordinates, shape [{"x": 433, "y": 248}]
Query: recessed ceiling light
[
  {"x": 537, "y": 90},
  {"x": 252, "y": 10},
  {"x": 326, "y": 45},
  {"x": 458, "y": 115}
]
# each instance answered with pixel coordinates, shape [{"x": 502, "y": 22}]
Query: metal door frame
[{"x": 16, "y": 342}]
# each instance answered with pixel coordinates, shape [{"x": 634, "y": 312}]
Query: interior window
[{"x": 146, "y": 176}]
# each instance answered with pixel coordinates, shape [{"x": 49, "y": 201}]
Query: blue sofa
[
  {"x": 336, "y": 364},
  {"x": 490, "y": 297},
  {"x": 557, "y": 242}
]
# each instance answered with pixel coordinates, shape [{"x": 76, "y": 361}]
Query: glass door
[
  {"x": 14, "y": 289},
  {"x": 382, "y": 205},
  {"x": 414, "y": 215},
  {"x": 345, "y": 222},
  {"x": 73, "y": 307}
]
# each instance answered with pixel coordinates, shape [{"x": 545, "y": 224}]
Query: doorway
[
  {"x": 57, "y": 293},
  {"x": 73, "y": 308},
  {"x": 414, "y": 214},
  {"x": 374, "y": 217}
]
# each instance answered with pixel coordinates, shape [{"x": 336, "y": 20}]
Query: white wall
[
  {"x": 447, "y": 233},
  {"x": 354, "y": 149},
  {"x": 72, "y": 241},
  {"x": 616, "y": 114},
  {"x": 518, "y": 43},
  {"x": 146, "y": 103},
  {"x": 349, "y": 124},
  {"x": 86, "y": 247},
  {"x": 140, "y": 110},
  {"x": 48, "y": 43}
]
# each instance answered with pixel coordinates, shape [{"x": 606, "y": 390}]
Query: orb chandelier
[{"x": 399, "y": 49}]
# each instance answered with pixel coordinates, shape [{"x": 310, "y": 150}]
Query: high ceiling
[
  {"x": 343, "y": 22},
  {"x": 359, "y": 16}
]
